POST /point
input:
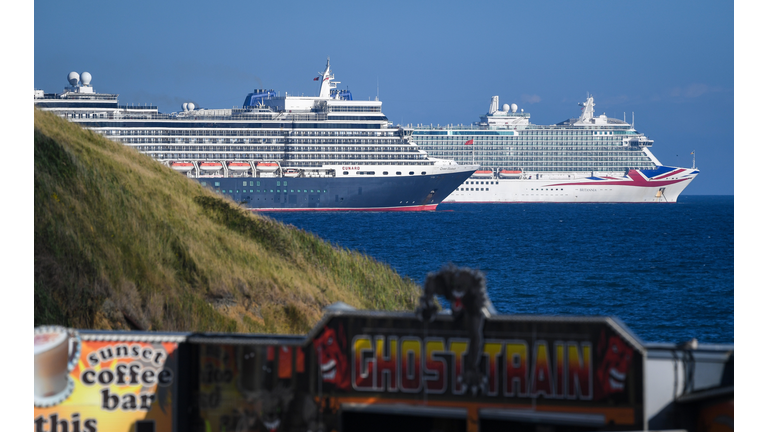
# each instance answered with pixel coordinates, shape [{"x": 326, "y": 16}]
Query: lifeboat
[
  {"x": 267, "y": 166},
  {"x": 239, "y": 166},
  {"x": 182, "y": 166},
  {"x": 510, "y": 174},
  {"x": 291, "y": 173},
  {"x": 210, "y": 166},
  {"x": 482, "y": 174}
]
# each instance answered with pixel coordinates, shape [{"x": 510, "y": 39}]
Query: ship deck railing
[
  {"x": 77, "y": 96},
  {"x": 137, "y": 107},
  {"x": 485, "y": 127},
  {"x": 121, "y": 115}
]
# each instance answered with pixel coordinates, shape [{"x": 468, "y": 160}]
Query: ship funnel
[{"x": 494, "y": 105}]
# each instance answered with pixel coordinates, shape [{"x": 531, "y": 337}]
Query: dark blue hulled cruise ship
[{"x": 328, "y": 152}]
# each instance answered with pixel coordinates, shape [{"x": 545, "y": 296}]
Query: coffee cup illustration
[{"x": 57, "y": 351}]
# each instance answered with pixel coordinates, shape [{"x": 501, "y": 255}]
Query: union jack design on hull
[{"x": 662, "y": 185}]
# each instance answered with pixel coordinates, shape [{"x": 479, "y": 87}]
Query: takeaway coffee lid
[{"x": 47, "y": 337}]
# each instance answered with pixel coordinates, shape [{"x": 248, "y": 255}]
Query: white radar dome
[
  {"x": 505, "y": 107},
  {"x": 514, "y": 108},
  {"x": 85, "y": 77},
  {"x": 191, "y": 106},
  {"x": 73, "y": 78},
  {"x": 184, "y": 106}
]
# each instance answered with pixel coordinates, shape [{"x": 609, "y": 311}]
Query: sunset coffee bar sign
[{"x": 97, "y": 381}]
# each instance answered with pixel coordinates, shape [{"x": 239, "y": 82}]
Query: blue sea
[{"x": 666, "y": 270}]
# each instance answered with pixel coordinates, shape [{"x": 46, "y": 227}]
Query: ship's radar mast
[
  {"x": 588, "y": 111},
  {"x": 327, "y": 84}
]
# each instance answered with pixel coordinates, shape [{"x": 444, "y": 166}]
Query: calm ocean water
[{"x": 667, "y": 271}]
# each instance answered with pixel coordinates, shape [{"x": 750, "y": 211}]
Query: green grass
[{"x": 124, "y": 242}]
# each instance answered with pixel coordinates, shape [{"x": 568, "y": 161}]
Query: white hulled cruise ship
[
  {"x": 586, "y": 159},
  {"x": 328, "y": 152}
]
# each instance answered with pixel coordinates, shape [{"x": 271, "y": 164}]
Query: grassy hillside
[{"x": 124, "y": 242}]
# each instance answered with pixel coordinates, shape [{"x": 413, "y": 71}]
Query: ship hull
[
  {"x": 401, "y": 193},
  {"x": 649, "y": 186}
]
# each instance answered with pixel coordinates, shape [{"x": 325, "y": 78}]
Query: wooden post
[{"x": 473, "y": 419}]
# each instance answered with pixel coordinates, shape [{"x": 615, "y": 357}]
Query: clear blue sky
[{"x": 669, "y": 63}]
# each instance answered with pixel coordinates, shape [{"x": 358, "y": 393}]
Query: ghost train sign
[
  {"x": 517, "y": 368},
  {"x": 591, "y": 366},
  {"x": 513, "y": 368}
]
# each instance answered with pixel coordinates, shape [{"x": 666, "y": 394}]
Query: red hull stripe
[
  {"x": 554, "y": 202},
  {"x": 429, "y": 207}
]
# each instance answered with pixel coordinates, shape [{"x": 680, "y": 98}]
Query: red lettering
[
  {"x": 579, "y": 371},
  {"x": 541, "y": 380},
  {"x": 435, "y": 369},
  {"x": 386, "y": 363},
  {"x": 516, "y": 369},
  {"x": 363, "y": 363},
  {"x": 410, "y": 365},
  {"x": 559, "y": 369}
]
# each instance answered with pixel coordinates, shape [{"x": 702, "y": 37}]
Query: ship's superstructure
[
  {"x": 586, "y": 159},
  {"x": 276, "y": 152}
]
